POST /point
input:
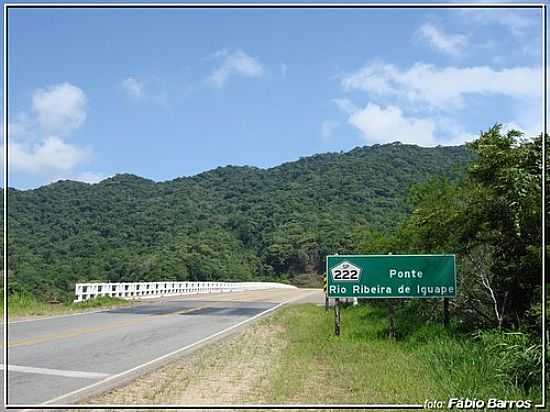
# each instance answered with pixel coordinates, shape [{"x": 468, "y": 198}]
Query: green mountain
[{"x": 230, "y": 223}]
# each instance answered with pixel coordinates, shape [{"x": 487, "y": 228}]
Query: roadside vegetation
[
  {"x": 425, "y": 361},
  {"x": 491, "y": 220},
  {"x": 293, "y": 357},
  {"x": 481, "y": 201},
  {"x": 22, "y": 305}
]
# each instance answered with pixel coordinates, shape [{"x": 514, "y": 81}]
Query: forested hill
[{"x": 228, "y": 223}]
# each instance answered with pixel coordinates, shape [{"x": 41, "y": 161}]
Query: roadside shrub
[
  {"x": 22, "y": 302},
  {"x": 418, "y": 316},
  {"x": 428, "y": 333},
  {"x": 99, "y": 302},
  {"x": 518, "y": 358},
  {"x": 461, "y": 366}
]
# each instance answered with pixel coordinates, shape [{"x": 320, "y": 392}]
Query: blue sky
[{"x": 170, "y": 93}]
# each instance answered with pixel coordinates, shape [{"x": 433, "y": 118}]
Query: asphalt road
[{"x": 53, "y": 359}]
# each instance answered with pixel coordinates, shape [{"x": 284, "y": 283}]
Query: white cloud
[
  {"x": 517, "y": 21},
  {"x": 284, "y": 69},
  {"x": 20, "y": 128},
  {"x": 151, "y": 90},
  {"x": 377, "y": 78},
  {"x": 218, "y": 53},
  {"x": 378, "y": 124},
  {"x": 47, "y": 157},
  {"x": 382, "y": 125},
  {"x": 90, "y": 177},
  {"x": 59, "y": 109},
  {"x": 37, "y": 141},
  {"x": 160, "y": 99},
  {"x": 234, "y": 63},
  {"x": 451, "y": 44},
  {"x": 345, "y": 105},
  {"x": 327, "y": 128},
  {"x": 529, "y": 131},
  {"x": 133, "y": 87},
  {"x": 443, "y": 88},
  {"x": 450, "y": 132}
]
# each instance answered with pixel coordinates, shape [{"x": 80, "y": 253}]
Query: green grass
[
  {"x": 363, "y": 365},
  {"x": 20, "y": 305}
]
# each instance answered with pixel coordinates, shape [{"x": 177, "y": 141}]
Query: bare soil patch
[{"x": 226, "y": 372}]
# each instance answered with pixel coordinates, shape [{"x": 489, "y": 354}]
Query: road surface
[{"x": 63, "y": 359}]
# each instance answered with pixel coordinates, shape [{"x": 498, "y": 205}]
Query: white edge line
[
  {"x": 55, "y": 372},
  {"x": 121, "y": 374}
]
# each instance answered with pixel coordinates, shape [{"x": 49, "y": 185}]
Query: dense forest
[{"x": 231, "y": 223}]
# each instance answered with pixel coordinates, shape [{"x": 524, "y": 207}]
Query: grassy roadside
[
  {"x": 359, "y": 366},
  {"x": 293, "y": 357},
  {"x": 364, "y": 366},
  {"x": 20, "y": 306}
]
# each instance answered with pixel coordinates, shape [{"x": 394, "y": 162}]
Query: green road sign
[{"x": 391, "y": 276}]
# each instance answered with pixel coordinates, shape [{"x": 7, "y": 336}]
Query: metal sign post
[
  {"x": 337, "y": 317},
  {"x": 325, "y": 290},
  {"x": 392, "y": 332},
  {"x": 446, "y": 312}
]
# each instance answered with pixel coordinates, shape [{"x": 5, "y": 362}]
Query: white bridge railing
[{"x": 144, "y": 290}]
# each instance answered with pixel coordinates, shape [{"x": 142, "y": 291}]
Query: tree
[{"x": 492, "y": 219}]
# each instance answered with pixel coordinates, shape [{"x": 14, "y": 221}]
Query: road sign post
[
  {"x": 325, "y": 290},
  {"x": 392, "y": 332},
  {"x": 337, "y": 317},
  {"x": 391, "y": 276},
  {"x": 446, "y": 312}
]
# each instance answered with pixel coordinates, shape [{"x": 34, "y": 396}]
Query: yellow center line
[
  {"x": 123, "y": 323},
  {"x": 71, "y": 333},
  {"x": 85, "y": 331}
]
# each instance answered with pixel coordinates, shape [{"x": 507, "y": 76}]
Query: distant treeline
[{"x": 231, "y": 223}]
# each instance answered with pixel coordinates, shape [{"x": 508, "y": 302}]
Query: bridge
[{"x": 144, "y": 290}]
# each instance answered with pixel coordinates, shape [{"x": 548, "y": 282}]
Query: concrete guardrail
[{"x": 144, "y": 290}]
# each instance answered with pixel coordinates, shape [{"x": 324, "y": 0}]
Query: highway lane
[{"x": 52, "y": 357}]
